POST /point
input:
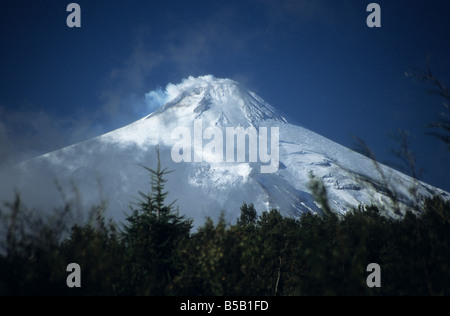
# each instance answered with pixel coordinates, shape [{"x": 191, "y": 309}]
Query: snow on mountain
[{"x": 214, "y": 170}]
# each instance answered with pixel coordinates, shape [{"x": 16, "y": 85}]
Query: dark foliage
[
  {"x": 260, "y": 255},
  {"x": 156, "y": 252}
]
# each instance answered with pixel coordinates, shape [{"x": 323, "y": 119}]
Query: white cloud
[
  {"x": 173, "y": 90},
  {"x": 157, "y": 98}
]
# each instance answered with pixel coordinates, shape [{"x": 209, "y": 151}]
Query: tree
[
  {"x": 152, "y": 236},
  {"x": 248, "y": 215}
]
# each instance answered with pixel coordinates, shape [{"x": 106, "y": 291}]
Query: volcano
[{"x": 225, "y": 146}]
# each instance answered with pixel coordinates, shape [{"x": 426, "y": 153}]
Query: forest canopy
[{"x": 156, "y": 251}]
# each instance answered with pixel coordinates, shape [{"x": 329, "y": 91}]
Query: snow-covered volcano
[{"x": 214, "y": 169}]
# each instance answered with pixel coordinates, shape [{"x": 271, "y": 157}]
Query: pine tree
[
  {"x": 248, "y": 215},
  {"x": 153, "y": 234}
]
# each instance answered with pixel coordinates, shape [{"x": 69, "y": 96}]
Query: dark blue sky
[{"x": 316, "y": 61}]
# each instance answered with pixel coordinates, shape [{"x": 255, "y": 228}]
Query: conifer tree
[
  {"x": 248, "y": 215},
  {"x": 152, "y": 235}
]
